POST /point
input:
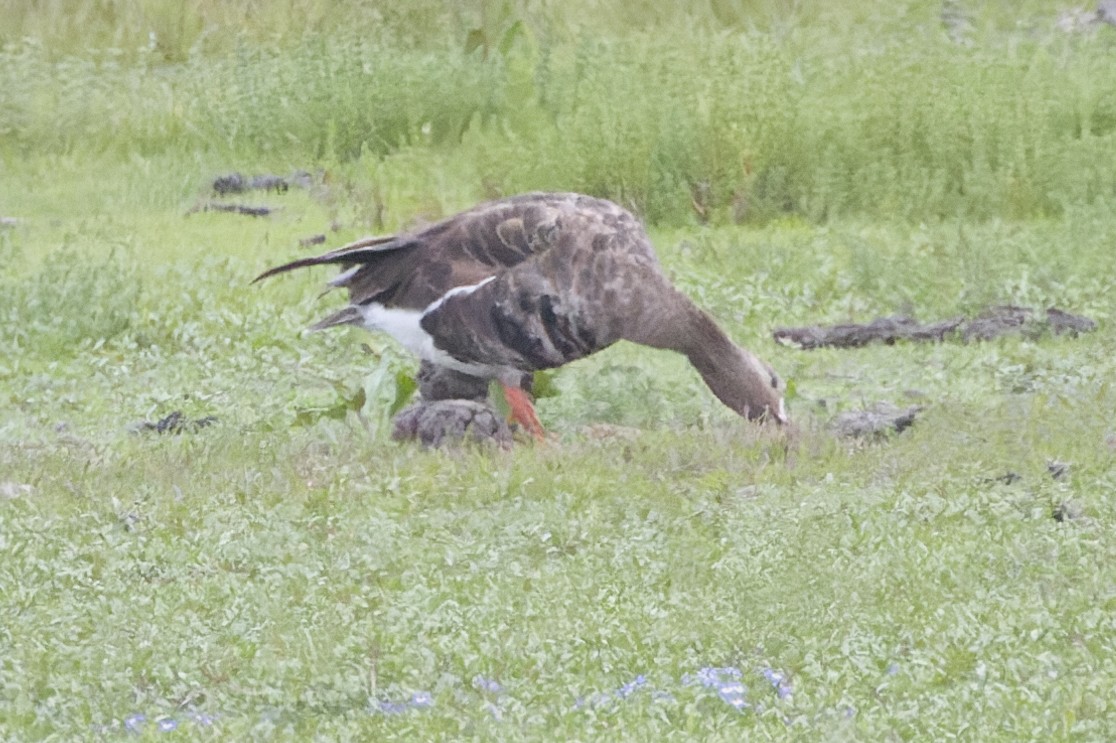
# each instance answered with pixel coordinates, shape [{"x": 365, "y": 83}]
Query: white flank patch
[
  {"x": 402, "y": 325},
  {"x": 405, "y": 326}
]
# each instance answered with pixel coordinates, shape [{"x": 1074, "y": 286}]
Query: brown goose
[{"x": 533, "y": 282}]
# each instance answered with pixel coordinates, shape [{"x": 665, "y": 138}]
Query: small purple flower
[
  {"x": 779, "y": 681},
  {"x": 892, "y": 669},
  {"x": 632, "y": 686},
  {"x": 489, "y": 686},
  {"x": 134, "y": 722},
  {"x": 166, "y": 725},
  {"x": 732, "y": 694},
  {"x": 422, "y": 699},
  {"x": 712, "y": 677},
  {"x": 725, "y": 681}
]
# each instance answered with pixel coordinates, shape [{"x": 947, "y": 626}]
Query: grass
[
  {"x": 746, "y": 125},
  {"x": 291, "y": 573}
]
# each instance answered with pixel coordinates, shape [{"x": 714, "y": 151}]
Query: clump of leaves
[
  {"x": 72, "y": 299},
  {"x": 382, "y": 394},
  {"x": 347, "y": 400}
]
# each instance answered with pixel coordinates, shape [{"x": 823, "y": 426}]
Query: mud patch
[{"x": 987, "y": 325}]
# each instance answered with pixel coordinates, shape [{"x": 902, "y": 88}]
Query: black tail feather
[{"x": 355, "y": 252}]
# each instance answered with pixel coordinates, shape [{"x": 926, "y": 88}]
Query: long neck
[{"x": 737, "y": 377}]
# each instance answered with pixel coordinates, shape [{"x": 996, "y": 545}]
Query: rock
[
  {"x": 1058, "y": 469},
  {"x": 880, "y": 419},
  {"x": 1069, "y": 510},
  {"x": 438, "y": 423},
  {"x": 1106, "y": 12},
  {"x": 452, "y": 408}
]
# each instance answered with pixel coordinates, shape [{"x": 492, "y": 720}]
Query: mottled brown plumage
[{"x": 534, "y": 282}]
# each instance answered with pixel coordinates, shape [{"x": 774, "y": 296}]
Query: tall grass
[{"x": 742, "y": 112}]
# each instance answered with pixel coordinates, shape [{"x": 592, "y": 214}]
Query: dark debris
[
  {"x": 245, "y": 209},
  {"x": 884, "y": 330},
  {"x": 1008, "y": 478},
  {"x": 240, "y": 183},
  {"x": 989, "y": 324},
  {"x": 176, "y": 423},
  {"x": 1062, "y": 322}
]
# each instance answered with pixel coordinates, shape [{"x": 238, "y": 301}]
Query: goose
[{"x": 533, "y": 282}]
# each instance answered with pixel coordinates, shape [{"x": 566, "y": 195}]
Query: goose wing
[
  {"x": 528, "y": 282},
  {"x": 413, "y": 270}
]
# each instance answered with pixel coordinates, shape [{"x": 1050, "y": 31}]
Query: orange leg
[{"x": 523, "y": 411}]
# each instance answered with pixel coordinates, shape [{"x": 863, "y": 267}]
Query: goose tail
[{"x": 357, "y": 252}]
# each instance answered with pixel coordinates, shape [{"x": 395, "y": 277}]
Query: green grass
[
  {"x": 740, "y": 122},
  {"x": 286, "y": 570}
]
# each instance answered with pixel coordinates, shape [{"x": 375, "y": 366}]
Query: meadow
[{"x": 659, "y": 569}]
